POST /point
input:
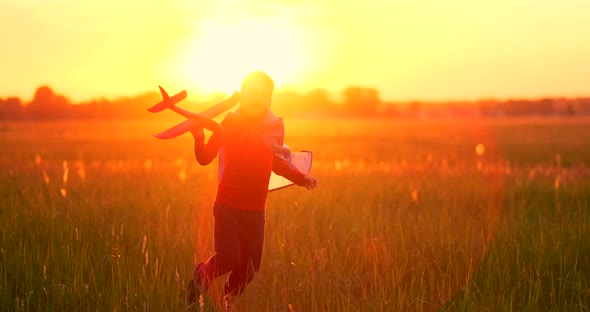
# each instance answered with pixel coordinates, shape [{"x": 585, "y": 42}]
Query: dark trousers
[{"x": 239, "y": 236}]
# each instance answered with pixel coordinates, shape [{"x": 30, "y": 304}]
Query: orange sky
[{"x": 411, "y": 49}]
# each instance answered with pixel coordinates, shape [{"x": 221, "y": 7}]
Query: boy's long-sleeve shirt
[{"x": 247, "y": 162}]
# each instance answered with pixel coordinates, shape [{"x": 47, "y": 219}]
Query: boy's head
[{"x": 256, "y": 94}]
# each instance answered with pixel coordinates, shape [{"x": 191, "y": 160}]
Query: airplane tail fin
[
  {"x": 167, "y": 101},
  {"x": 165, "y": 95}
]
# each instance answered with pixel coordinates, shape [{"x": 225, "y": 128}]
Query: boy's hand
[
  {"x": 310, "y": 182},
  {"x": 198, "y": 133}
]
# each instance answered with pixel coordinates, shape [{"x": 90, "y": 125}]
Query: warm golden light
[
  {"x": 223, "y": 53},
  {"x": 408, "y": 50},
  {"x": 480, "y": 149}
]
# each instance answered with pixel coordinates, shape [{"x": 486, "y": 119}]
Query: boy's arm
[
  {"x": 205, "y": 153},
  {"x": 282, "y": 168}
]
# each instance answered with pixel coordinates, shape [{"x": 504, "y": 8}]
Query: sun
[{"x": 223, "y": 53}]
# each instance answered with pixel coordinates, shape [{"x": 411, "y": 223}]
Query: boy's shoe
[
  {"x": 197, "y": 286},
  {"x": 227, "y": 303},
  {"x": 193, "y": 292}
]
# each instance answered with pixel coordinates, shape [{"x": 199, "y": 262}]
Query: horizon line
[{"x": 334, "y": 95}]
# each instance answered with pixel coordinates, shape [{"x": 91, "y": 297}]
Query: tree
[
  {"x": 48, "y": 105},
  {"x": 318, "y": 102},
  {"x": 11, "y": 108},
  {"x": 361, "y": 101}
]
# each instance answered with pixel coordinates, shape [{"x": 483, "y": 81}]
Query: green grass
[{"x": 406, "y": 218}]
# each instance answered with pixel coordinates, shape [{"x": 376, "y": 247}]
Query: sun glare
[{"x": 222, "y": 54}]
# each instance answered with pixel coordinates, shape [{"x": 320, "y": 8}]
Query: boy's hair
[{"x": 259, "y": 77}]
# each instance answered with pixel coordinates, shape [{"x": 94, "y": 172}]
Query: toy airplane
[
  {"x": 194, "y": 120},
  {"x": 299, "y": 160}
]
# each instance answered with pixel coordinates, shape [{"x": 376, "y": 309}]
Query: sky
[{"x": 406, "y": 49}]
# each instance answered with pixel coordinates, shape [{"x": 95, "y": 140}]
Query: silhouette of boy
[{"x": 249, "y": 149}]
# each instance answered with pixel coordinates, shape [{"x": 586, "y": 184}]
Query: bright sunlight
[{"x": 222, "y": 54}]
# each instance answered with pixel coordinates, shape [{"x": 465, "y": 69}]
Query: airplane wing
[
  {"x": 301, "y": 161},
  {"x": 195, "y": 120},
  {"x": 222, "y": 106},
  {"x": 179, "y": 129}
]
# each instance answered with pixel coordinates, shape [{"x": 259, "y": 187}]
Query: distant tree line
[
  {"x": 354, "y": 102},
  {"x": 47, "y": 105}
]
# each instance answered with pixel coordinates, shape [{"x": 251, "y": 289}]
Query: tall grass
[{"x": 101, "y": 217}]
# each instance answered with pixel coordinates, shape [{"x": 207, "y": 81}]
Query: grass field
[{"x": 409, "y": 216}]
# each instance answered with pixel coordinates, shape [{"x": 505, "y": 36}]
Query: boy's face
[{"x": 255, "y": 99}]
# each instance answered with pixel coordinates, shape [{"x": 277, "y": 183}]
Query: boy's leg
[
  {"x": 252, "y": 241},
  {"x": 227, "y": 248},
  {"x": 227, "y": 243}
]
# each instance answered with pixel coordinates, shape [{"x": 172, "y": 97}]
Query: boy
[{"x": 249, "y": 149}]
